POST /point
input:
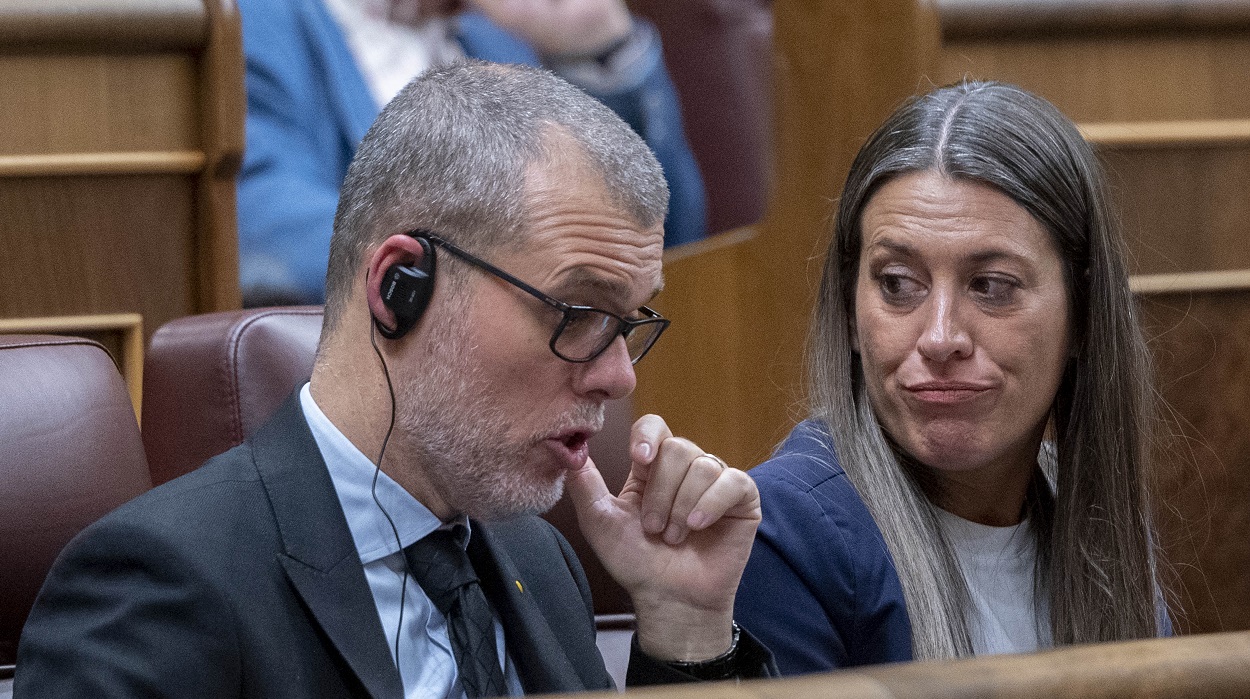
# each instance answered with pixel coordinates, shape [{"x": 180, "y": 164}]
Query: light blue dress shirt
[{"x": 424, "y": 656}]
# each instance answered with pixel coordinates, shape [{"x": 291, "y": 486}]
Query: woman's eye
[
  {"x": 898, "y": 288},
  {"x": 998, "y": 290}
]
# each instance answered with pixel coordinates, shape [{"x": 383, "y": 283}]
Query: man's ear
[{"x": 399, "y": 282}]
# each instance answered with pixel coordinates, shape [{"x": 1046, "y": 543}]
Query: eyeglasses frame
[{"x": 625, "y": 326}]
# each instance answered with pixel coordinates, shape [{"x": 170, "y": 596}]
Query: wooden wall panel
[
  {"x": 101, "y": 245},
  {"x": 93, "y": 103},
  {"x": 223, "y": 108},
  {"x": 123, "y": 123},
  {"x": 1183, "y": 209},
  {"x": 1116, "y": 78},
  {"x": 694, "y": 376},
  {"x": 1201, "y": 345}
]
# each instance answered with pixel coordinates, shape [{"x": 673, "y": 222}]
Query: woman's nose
[{"x": 944, "y": 336}]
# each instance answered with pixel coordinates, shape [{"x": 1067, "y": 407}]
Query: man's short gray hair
[{"x": 450, "y": 152}]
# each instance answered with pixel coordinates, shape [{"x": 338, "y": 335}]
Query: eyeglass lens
[{"x": 586, "y": 333}]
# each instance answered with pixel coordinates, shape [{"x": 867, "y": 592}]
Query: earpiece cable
[{"x": 403, "y": 587}]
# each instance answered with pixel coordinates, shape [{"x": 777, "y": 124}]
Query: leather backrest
[
  {"x": 71, "y": 453},
  {"x": 210, "y": 380}
]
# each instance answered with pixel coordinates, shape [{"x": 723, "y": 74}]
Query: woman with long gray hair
[{"x": 973, "y": 476}]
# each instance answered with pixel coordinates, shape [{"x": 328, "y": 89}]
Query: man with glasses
[
  {"x": 583, "y": 332},
  {"x": 497, "y": 238}
]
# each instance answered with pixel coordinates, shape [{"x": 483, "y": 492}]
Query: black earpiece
[{"x": 406, "y": 291}]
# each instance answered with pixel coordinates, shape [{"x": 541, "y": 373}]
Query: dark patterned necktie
[{"x": 442, "y": 568}]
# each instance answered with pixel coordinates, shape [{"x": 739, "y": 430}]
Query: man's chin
[{"x": 529, "y": 499}]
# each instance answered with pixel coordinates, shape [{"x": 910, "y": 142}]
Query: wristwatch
[{"x": 722, "y": 667}]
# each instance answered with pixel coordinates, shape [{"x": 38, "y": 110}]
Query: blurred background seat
[
  {"x": 210, "y": 380},
  {"x": 72, "y": 453},
  {"x": 720, "y": 55}
]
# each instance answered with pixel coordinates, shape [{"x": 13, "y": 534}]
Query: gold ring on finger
[{"x": 719, "y": 461}]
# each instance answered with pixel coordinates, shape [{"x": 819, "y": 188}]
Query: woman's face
[{"x": 962, "y": 325}]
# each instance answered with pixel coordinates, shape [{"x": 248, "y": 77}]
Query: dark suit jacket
[{"x": 241, "y": 579}]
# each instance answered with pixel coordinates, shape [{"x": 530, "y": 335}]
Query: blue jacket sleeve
[
  {"x": 820, "y": 588},
  {"x": 307, "y": 108}
]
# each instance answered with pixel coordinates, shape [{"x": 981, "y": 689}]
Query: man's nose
[{"x": 610, "y": 375}]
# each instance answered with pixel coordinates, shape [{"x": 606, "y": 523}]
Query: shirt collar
[{"x": 353, "y": 476}]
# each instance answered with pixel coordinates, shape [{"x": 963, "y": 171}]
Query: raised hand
[
  {"x": 676, "y": 538},
  {"x": 561, "y": 28}
]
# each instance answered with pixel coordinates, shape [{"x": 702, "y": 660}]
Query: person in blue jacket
[
  {"x": 973, "y": 478},
  {"x": 319, "y": 71}
]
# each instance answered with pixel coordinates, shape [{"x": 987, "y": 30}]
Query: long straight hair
[{"x": 1088, "y": 501}]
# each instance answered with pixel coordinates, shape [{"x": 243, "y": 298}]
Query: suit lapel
[
  {"x": 542, "y": 663},
  {"x": 320, "y": 558}
]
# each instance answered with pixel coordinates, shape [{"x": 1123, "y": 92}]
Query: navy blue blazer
[
  {"x": 308, "y": 106},
  {"x": 820, "y": 589}
]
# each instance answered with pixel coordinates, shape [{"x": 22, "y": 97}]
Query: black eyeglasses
[{"x": 584, "y": 332}]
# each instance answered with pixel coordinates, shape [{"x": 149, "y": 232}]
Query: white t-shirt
[{"x": 998, "y": 566}]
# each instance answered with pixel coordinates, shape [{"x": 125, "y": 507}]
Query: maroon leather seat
[
  {"x": 210, "y": 380},
  {"x": 720, "y": 55},
  {"x": 71, "y": 453}
]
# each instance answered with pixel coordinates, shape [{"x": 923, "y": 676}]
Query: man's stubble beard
[{"x": 467, "y": 443}]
